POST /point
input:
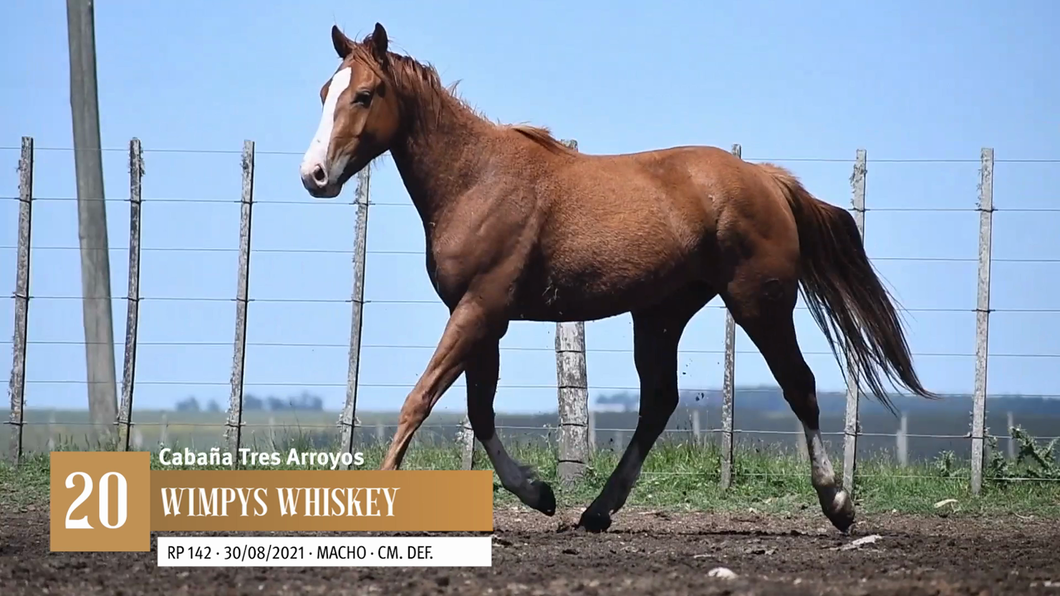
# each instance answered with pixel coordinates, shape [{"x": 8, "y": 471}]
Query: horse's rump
[{"x": 845, "y": 296}]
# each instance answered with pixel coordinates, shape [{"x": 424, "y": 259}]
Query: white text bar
[{"x": 325, "y": 551}]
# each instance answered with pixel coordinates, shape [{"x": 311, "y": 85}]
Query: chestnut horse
[{"x": 520, "y": 227}]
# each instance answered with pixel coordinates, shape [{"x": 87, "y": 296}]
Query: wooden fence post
[
  {"x": 1011, "y": 445},
  {"x": 902, "y": 441},
  {"x": 982, "y": 314},
  {"x": 136, "y": 172},
  {"x": 466, "y": 441},
  {"x": 850, "y": 425},
  {"x": 728, "y": 387},
  {"x": 17, "y": 387},
  {"x": 572, "y": 382},
  {"x": 234, "y": 425},
  {"x": 592, "y": 432},
  {"x": 697, "y": 439},
  {"x": 573, "y": 389},
  {"x": 802, "y": 447},
  {"x": 348, "y": 421}
]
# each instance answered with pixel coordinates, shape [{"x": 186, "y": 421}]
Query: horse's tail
[{"x": 844, "y": 294}]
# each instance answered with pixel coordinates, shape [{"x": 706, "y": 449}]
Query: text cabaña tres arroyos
[{"x": 249, "y": 457}]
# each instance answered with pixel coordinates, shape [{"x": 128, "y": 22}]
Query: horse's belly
[{"x": 599, "y": 288}]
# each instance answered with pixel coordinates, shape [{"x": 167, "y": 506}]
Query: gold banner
[
  {"x": 321, "y": 501},
  {"x": 107, "y": 501}
]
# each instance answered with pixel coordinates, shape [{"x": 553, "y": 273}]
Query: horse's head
[{"x": 360, "y": 116}]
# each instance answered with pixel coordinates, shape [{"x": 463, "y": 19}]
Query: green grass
[
  {"x": 681, "y": 476},
  {"x": 203, "y": 430}
]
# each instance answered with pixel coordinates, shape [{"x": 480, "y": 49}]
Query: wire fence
[{"x": 575, "y": 429}]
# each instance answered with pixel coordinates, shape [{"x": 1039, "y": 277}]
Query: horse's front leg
[
  {"x": 469, "y": 324},
  {"x": 481, "y": 374}
]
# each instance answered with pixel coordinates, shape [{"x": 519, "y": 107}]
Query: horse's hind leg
[
  {"x": 765, "y": 314},
  {"x": 656, "y": 333}
]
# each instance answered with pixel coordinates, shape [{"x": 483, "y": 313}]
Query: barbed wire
[
  {"x": 420, "y": 253},
  {"x": 524, "y": 428},
  {"x": 542, "y": 428},
  {"x": 368, "y": 346},
  {"x": 295, "y": 153},
  {"x": 435, "y": 302},
  {"x": 455, "y": 385},
  {"x": 315, "y": 204}
]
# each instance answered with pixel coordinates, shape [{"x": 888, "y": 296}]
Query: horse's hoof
[
  {"x": 841, "y": 511},
  {"x": 594, "y": 521},
  {"x": 546, "y": 499}
]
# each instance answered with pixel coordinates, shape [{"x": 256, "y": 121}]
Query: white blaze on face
[{"x": 317, "y": 154}]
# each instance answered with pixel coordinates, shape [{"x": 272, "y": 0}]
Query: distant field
[
  {"x": 769, "y": 473},
  {"x": 67, "y": 429}
]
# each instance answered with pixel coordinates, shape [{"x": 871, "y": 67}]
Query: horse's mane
[
  {"x": 422, "y": 80},
  {"x": 540, "y": 135}
]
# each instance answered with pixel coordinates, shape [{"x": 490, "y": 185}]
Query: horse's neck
[{"x": 439, "y": 160}]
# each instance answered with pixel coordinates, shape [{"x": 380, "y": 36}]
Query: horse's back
[
  {"x": 694, "y": 190},
  {"x": 617, "y": 225}
]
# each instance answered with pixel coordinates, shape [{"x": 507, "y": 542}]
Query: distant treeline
[
  {"x": 766, "y": 398},
  {"x": 759, "y": 398},
  {"x": 252, "y": 403}
]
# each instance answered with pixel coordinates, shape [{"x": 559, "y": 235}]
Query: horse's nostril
[{"x": 318, "y": 175}]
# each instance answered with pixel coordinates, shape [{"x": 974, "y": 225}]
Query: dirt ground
[{"x": 644, "y": 552}]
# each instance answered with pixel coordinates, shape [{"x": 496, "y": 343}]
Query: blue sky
[{"x": 809, "y": 81}]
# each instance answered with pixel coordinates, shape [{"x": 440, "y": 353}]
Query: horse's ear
[
  {"x": 342, "y": 44},
  {"x": 379, "y": 43}
]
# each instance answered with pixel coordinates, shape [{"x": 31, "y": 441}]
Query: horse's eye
[{"x": 363, "y": 97}]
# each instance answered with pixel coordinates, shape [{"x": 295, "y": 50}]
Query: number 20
[{"x": 104, "y": 501}]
